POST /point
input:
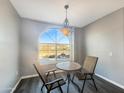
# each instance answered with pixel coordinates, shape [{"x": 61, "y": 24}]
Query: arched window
[{"x": 54, "y": 45}]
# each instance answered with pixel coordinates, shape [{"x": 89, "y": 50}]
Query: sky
[{"x": 52, "y": 36}]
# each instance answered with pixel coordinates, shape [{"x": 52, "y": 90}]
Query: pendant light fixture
[{"x": 66, "y": 30}]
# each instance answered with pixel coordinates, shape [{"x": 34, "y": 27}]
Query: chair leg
[
  {"x": 83, "y": 84},
  {"x": 47, "y": 74},
  {"x": 94, "y": 83},
  {"x": 48, "y": 91},
  {"x": 73, "y": 77},
  {"x": 42, "y": 88},
  {"x": 54, "y": 74},
  {"x": 60, "y": 89}
]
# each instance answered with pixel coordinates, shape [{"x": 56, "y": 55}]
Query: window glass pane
[
  {"x": 47, "y": 55},
  {"x": 63, "y": 55},
  {"x": 63, "y": 47},
  {"x": 61, "y": 38},
  {"x": 47, "y": 47},
  {"x": 64, "y": 40},
  {"x": 47, "y": 37}
]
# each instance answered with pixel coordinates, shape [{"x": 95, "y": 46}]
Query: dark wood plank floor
[{"x": 33, "y": 85}]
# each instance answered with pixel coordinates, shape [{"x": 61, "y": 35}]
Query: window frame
[{"x": 70, "y": 51}]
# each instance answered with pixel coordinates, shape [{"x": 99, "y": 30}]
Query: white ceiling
[{"x": 80, "y": 13}]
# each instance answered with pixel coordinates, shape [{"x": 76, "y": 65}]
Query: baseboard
[
  {"x": 29, "y": 76},
  {"x": 113, "y": 82},
  {"x": 36, "y": 75},
  {"x": 23, "y": 77},
  {"x": 13, "y": 89}
]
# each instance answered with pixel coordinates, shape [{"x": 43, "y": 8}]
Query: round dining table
[{"x": 69, "y": 67}]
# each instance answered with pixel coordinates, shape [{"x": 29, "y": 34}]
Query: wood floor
[{"x": 33, "y": 85}]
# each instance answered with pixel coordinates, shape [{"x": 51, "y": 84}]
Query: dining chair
[
  {"x": 87, "y": 71},
  {"x": 48, "y": 68},
  {"x": 48, "y": 84}
]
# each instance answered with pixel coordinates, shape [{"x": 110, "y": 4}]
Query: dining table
[{"x": 69, "y": 67}]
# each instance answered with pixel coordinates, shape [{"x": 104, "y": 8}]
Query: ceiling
[{"x": 80, "y": 12}]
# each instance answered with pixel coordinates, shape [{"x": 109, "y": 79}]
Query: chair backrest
[
  {"x": 90, "y": 63},
  {"x": 40, "y": 75}
]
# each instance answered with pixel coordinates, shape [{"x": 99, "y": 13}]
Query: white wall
[
  {"x": 9, "y": 46},
  {"x": 105, "y": 39}
]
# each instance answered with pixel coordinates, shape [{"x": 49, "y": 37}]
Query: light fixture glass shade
[{"x": 65, "y": 31}]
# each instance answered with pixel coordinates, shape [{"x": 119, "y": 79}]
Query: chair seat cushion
[{"x": 80, "y": 76}]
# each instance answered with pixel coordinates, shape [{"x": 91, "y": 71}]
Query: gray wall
[
  {"x": 30, "y": 33},
  {"x": 105, "y": 39},
  {"x": 79, "y": 46},
  {"x": 9, "y": 46}
]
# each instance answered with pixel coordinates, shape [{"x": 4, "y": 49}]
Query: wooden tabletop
[{"x": 68, "y": 66}]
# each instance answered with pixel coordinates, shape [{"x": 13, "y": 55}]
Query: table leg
[
  {"x": 76, "y": 85},
  {"x": 66, "y": 78},
  {"x": 69, "y": 79}
]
